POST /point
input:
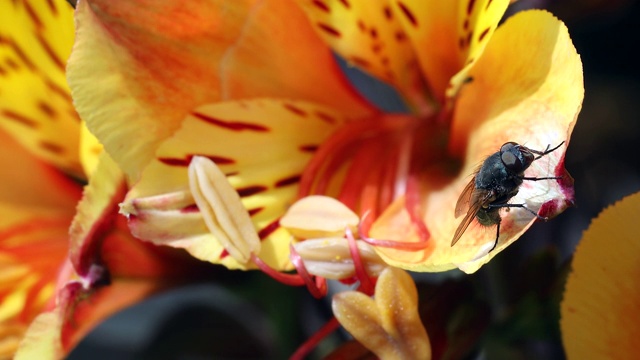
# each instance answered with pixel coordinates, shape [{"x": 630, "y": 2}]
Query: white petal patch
[{"x": 222, "y": 210}]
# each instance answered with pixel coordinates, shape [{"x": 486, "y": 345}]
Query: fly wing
[
  {"x": 479, "y": 198},
  {"x": 462, "y": 205}
]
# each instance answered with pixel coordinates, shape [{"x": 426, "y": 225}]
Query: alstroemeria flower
[
  {"x": 252, "y": 87},
  {"x": 600, "y": 309},
  {"x": 38, "y": 201}
]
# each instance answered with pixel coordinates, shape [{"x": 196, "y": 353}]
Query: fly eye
[{"x": 511, "y": 161}]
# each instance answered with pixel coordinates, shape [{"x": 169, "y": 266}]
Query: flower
[
  {"x": 600, "y": 314},
  {"x": 50, "y": 295},
  {"x": 231, "y": 82}
]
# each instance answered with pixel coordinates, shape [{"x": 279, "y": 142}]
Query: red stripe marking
[
  {"x": 47, "y": 109},
  {"x": 325, "y": 117},
  {"x": 294, "y": 109},
  {"x": 254, "y": 211},
  {"x": 359, "y": 61},
  {"x": 346, "y": 4},
  {"x": 251, "y": 190},
  {"x": 322, "y": 6},
  {"x": 219, "y": 160},
  {"x": 32, "y": 14},
  {"x": 231, "y": 125},
  {"x": 483, "y": 34},
  {"x": 329, "y": 30},
  {"x": 387, "y": 13},
  {"x": 21, "y": 54},
  {"x": 52, "y": 7},
  {"x": 50, "y": 52},
  {"x": 488, "y": 3},
  {"x": 408, "y": 14},
  {"x": 19, "y": 118},
  {"x": 470, "y": 6},
  {"x": 269, "y": 229},
  {"x": 308, "y": 148},
  {"x": 12, "y": 64},
  {"x": 59, "y": 90},
  {"x": 51, "y": 147},
  {"x": 400, "y": 36},
  {"x": 288, "y": 181}
]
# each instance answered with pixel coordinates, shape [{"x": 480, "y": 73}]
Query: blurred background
[{"x": 507, "y": 310}]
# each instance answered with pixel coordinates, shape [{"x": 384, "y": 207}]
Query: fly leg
[
  {"x": 542, "y": 178},
  {"x": 495, "y": 243},
  {"x": 545, "y": 152}
]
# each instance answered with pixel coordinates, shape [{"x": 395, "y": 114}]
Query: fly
[{"x": 494, "y": 184}]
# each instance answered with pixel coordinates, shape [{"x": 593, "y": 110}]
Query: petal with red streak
[
  {"x": 155, "y": 62},
  {"x": 261, "y": 145},
  {"x": 368, "y": 35},
  {"x": 528, "y": 88},
  {"x": 448, "y": 36},
  {"x": 35, "y": 102}
]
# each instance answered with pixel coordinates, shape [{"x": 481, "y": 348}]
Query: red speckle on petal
[
  {"x": 470, "y": 7},
  {"x": 387, "y": 13},
  {"x": 224, "y": 254},
  {"x": 325, "y": 117},
  {"x": 346, "y": 3},
  {"x": 251, "y": 190},
  {"x": 32, "y": 14},
  {"x": 483, "y": 34},
  {"x": 269, "y": 229},
  {"x": 408, "y": 14},
  {"x": 51, "y": 147},
  {"x": 400, "y": 36},
  {"x": 296, "y": 110},
  {"x": 288, "y": 181},
  {"x": 308, "y": 148},
  {"x": 329, "y": 30},
  {"x": 230, "y": 125},
  {"x": 22, "y": 119},
  {"x": 254, "y": 211},
  {"x": 322, "y": 6},
  {"x": 549, "y": 209},
  {"x": 359, "y": 61},
  {"x": 52, "y": 7},
  {"x": 219, "y": 160},
  {"x": 47, "y": 109},
  {"x": 53, "y": 56}
]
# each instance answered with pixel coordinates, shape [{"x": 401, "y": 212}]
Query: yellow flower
[
  {"x": 253, "y": 87},
  {"x": 600, "y": 311}
]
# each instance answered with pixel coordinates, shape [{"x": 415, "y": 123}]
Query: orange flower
[
  {"x": 45, "y": 153},
  {"x": 251, "y": 87},
  {"x": 600, "y": 313}
]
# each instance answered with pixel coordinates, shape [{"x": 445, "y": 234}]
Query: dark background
[{"x": 247, "y": 315}]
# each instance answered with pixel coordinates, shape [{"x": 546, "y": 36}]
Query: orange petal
[
  {"x": 527, "y": 88},
  {"x": 369, "y": 36},
  {"x": 261, "y": 145},
  {"x": 600, "y": 314},
  {"x": 156, "y": 62},
  {"x": 390, "y": 325},
  {"x": 35, "y": 103},
  {"x": 448, "y": 35}
]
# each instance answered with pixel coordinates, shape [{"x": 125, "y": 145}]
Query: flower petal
[
  {"x": 531, "y": 97},
  {"x": 156, "y": 62},
  {"x": 390, "y": 325},
  {"x": 35, "y": 103},
  {"x": 319, "y": 216},
  {"x": 262, "y": 146},
  {"x": 600, "y": 314},
  {"x": 448, "y": 35},
  {"x": 368, "y": 35}
]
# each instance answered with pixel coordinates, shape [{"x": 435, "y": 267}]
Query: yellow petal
[
  {"x": 262, "y": 146},
  {"x": 527, "y": 87},
  {"x": 156, "y": 62},
  {"x": 390, "y": 325},
  {"x": 42, "y": 340},
  {"x": 448, "y": 35},
  {"x": 35, "y": 103},
  {"x": 368, "y": 35},
  {"x": 600, "y": 313}
]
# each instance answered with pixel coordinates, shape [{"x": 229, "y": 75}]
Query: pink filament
[{"x": 314, "y": 340}]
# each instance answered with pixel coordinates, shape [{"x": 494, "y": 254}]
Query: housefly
[{"x": 494, "y": 184}]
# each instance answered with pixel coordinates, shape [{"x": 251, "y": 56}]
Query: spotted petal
[
  {"x": 368, "y": 35},
  {"x": 531, "y": 97},
  {"x": 158, "y": 61},
  {"x": 448, "y": 36},
  {"x": 35, "y": 102},
  {"x": 262, "y": 146}
]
